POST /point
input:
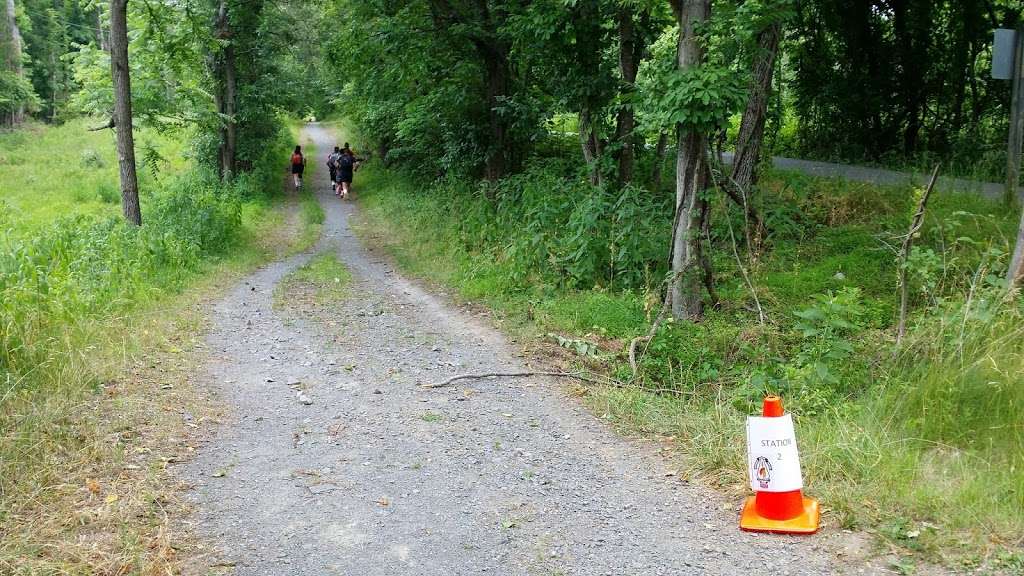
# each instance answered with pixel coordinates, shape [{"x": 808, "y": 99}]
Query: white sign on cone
[{"x": 772, "y": 457}]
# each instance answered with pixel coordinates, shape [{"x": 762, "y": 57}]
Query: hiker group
[{"x": 342, "y": 163}]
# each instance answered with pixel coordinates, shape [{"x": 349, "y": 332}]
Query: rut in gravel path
[{"x": 380, "y": 477}]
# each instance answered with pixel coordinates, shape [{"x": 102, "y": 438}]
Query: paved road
[
  {"x": 379, "y": 476},
  {"x": 882, "y": 176}
]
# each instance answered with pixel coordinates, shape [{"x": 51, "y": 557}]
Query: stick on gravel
[{"x": 575, "y": 375}]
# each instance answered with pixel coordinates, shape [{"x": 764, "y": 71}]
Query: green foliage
[
  {"x": 51, "y": 31},
  {"x": 605, "y": 314},
  {"x": 604, "y": 239},
  {"x": 73, "y": 261},
  {"x": 900, "y": 83},
  {"x": 831, "y": 315},
  {"x": 577, "y": 345},
  {"x": 685, "y": 355},
  {"x": 16, "y": 94},
  {"x": 700, "y": 99},
  {"x": 418, "y": 97},
  {"x": 81, "y": 267}
]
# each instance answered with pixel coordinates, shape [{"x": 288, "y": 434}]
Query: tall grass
[{"x": 79, "y": 267}]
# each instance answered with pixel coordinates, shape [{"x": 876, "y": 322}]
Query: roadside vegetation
[
  {"x": 921, "y": 444},
  {"x": 101, "y": 324},
  {"x": 53, "y": 172}
]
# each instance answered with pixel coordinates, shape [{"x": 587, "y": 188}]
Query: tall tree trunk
[
  {"x": 123, "y": 110},
  {"x": 626, "y": 120},
  {"x": 102, "y": 38},
  {"x": 910, "y": 27},
  {"x": 751, "y": 136},
  {"x": 10, "y": 44},
  {"x": 498, "y": 78},
  {"x": 226, "y": 96},
  {"x": 690, "y": 176}
]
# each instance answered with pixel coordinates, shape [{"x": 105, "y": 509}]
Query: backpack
[
  {"x": 345, "y": 162},
  {"x": 332, "y": 160},
  {"x": 296, "y": 159}
]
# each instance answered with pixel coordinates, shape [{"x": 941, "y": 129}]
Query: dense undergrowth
[
  {"x": 923, "y": 444},
  {"x": 84, "y": 297}
]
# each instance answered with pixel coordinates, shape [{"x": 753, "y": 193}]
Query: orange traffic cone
[{"x": 779, "y": 505}]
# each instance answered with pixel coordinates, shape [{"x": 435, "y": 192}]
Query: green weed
[{"x": 431, "y": 417}]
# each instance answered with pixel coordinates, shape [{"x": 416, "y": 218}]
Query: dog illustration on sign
[{"x": 763, "y": 471}]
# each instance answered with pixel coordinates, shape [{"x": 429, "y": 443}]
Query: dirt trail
[{"x": 380, "y": 477}]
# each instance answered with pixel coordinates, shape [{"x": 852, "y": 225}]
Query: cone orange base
[{"x": 804, "y": 523}]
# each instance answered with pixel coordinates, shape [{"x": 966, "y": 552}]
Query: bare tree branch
[
  {"x": 908, "y": 241},
  {"x": 453, "y": 379}
]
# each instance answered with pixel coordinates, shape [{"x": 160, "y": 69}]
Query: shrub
[
  {"x": 551, "y": 226},
  {"x": 90, "y": 158},
  {"x": 108, "y": 193}
]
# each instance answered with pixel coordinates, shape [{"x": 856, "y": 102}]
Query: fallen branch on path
[
  {"x": 454, "y": 379},
  {"x": 600, "y": 381}
]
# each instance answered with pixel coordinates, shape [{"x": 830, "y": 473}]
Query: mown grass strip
[{"x": 321, "y": 281}]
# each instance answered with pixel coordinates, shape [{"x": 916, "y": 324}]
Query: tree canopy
[
  {"x": 474, "y": 86},
  {"x": 487, "y": 88}
]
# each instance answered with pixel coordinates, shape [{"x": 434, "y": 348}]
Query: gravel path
[
  {"x": 993, "y": 190},
  {"x": 378, "y": 476}
]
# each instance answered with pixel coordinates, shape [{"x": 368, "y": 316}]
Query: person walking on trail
[
  {"x": 346, "y": 168},
  {"x": 298, "y": 166},
  {"x": 332, "y": 165}
]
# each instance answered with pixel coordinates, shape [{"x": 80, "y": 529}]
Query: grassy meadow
[
  {"x": 50, "y": 172},
  {"x": 922, "y": 444}
]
